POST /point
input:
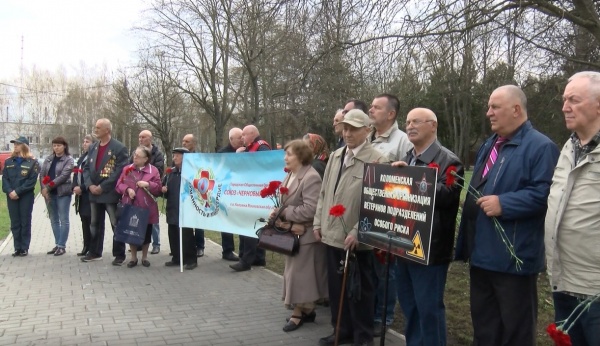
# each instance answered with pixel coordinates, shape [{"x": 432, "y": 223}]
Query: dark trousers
[
  {"x": 421, "y": 296},
  {"x": 227, "y": 243},
  {"x": 503, "y": 308},
  {"x": 251, "y": 253},
  {"x": 199, "y": 236},
  {"x": 99, "y": 211},
  {"x": 357, "y": 314},
  {"x": 87, "y": 233},
  {"x": 188, "y": 244},
  {"x": 586, "y": 330},
  {"x": 19, "y": 212}
]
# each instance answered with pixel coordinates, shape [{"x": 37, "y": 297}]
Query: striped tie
[{"x": 493, "y": 155}]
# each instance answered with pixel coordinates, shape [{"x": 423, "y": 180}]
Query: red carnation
[
  {"x": 450, "y": 176},
  {"x": 559, "y": 337},
  {"x": 169, "y": 170},
  {"x": 51, "y": 184},
  {"x": 129, "y": 169},
  {"x": 284, "y": 190},
  {"x": 274, "y": 185},
  {"x": 434, "y": 165},
  {"x": 46, "y": 180},
  {"x": 337, "y": 210},
  {"x": 264, "y": 193},
  {"x": 77, "y": 170},
  {"x": 286, "y": 170}
]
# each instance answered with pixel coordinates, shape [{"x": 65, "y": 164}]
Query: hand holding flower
[
  {"x": 142, "y": 184},
  {"x": 273, "y": 214},
  {"x": 490, "y": 205}
]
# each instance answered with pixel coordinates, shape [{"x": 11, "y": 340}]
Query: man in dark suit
[
  {"x": 227, "y": 243},
  {"x": 189, "y": 142},
  {"x": 250, "y": 254},
  {"x": 106, "y": 159}
]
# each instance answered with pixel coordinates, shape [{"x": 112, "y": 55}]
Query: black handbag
[{"x": 273, "y": 238}]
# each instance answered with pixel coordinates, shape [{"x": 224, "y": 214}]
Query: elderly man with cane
[{"x": 342, "y": 184}]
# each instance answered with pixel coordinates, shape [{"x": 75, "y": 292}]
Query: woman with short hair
[{"x": 304, "y": 276}]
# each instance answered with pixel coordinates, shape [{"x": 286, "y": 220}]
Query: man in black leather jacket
[{"x": 420, "y": 287}]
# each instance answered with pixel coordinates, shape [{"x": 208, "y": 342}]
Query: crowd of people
[{"x": 545, "y": 200}]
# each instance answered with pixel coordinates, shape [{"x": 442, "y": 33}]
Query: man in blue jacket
[{"x": 513, "y": 173}]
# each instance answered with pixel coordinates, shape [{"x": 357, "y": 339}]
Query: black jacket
[
  {"x": 447, "y": 200},
  {"x": 172, "y": 181},
  {"x": 82, "y": 202},
  {"x": 227, "y": 149}
]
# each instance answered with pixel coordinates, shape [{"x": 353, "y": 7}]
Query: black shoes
[
  {"x": 89, "y": 258},
  {"x": 259, "y": 263},
  {"x": 132, "y": 264},
  {"x": 200, "y": 253},
  {"x": 59, "y": 251},
  {"x": 291, "y": 326},
  {"x": 118, "y": 261},
  {"x": 330, "y": 340},
  {"x": 83, "y": 252},
  {"x": 155, "y": 250},
  {"x": 17, "y": 253},
  {"x": 190, "y": 266},
  {"x": 171, "y": 264},
  {"x": 23, "y": 253},
  {"x": 51, "y": 252},
  {"x": 146, "y": 263},
  {"x": 377, "y": 329},
  {"x": 231, "y": 257},
  {"x": 240, "y": 267},
  {"x": 307, "y": 317}
]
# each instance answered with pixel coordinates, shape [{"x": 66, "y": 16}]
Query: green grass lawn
[{"x": 4, "y": 219}]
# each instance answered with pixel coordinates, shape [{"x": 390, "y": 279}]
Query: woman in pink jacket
[{"x": 138, "y": 184}]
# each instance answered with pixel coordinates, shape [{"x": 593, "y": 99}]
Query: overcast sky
[{"x": 67, "y": 33}]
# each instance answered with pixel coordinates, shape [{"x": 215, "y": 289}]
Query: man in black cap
[{"x": 171, "y": 191}]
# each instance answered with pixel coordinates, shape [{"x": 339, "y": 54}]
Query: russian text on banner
[
  {"x": 397, "y": 208},
  {"x": 220, "y": 192}
]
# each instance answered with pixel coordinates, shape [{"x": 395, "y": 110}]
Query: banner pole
[
  {"x": 180, "y": 251},
  {"x": 388, "y": 256}
]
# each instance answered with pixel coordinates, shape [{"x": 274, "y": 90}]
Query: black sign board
[{"x": 397, "y": 208}]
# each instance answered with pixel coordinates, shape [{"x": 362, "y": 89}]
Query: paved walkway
[{"x": 48, "y": 300}]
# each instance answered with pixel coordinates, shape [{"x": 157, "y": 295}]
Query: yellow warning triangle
[{"x": 418, "y": 249}]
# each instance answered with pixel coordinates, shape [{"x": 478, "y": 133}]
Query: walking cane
[{"x": 339, "y": 315}]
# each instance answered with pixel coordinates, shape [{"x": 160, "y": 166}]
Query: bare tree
[{"x": 196, "y": 39}]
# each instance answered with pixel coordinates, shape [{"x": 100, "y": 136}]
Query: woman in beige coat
[{"x": 305, "y": 276}]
